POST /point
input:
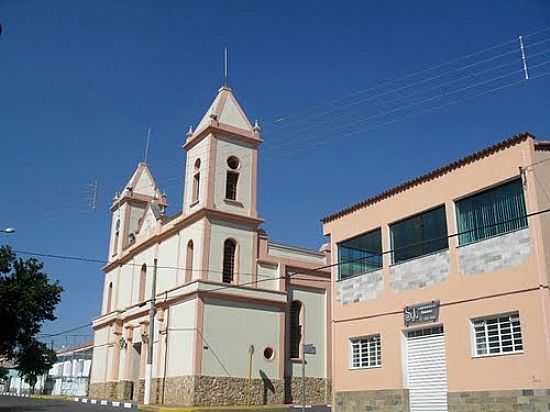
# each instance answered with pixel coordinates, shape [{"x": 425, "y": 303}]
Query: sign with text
[
  {"x": 310, "y": 349},
  {"x": 421, "y": 313}
]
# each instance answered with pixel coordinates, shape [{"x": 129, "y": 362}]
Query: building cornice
[{"x": 236, "y": 133}]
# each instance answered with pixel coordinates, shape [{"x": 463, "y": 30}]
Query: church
[{"x": 233, "y": 310}]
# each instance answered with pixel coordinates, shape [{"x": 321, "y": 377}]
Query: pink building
[{"x": 440, "y": 298}]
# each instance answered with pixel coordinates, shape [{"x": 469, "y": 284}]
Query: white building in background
[
  {"x": 233, "y": 309},
  {"x": 70, "y": 375}
]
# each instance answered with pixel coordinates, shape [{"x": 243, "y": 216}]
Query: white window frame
[
  {"x": 377, "y": 356},
  {"x": 474, "y": 342}
]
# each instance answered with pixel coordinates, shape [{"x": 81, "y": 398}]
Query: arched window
[
  {"x": 142, "y": 280},
  {"x": 295, "y": 328},
  {"x": 117, "y": 235},
  {"x": 109, "y": 297},
  {"x": 189, "y": 262},
  {"x": 196, "y": 181},
  {"x": 229, "y": 249},
  {"x": 232, "y": 178}
]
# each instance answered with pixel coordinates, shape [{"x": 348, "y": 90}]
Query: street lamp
[{"x": 8, "y": 230}]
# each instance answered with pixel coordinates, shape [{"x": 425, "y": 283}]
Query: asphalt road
[{"x": 15, "y": 404}]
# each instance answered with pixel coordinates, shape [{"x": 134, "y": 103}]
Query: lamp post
[{"x": 8, "y": 230}]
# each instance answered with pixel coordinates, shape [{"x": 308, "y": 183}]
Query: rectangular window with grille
[
  {"x": 495, "y": 335},
  {"x": 231, "y": 185},
  {"x": 366, "y": 352}
]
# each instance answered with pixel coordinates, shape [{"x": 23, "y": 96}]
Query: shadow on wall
[{"x": 268, "y": 386}]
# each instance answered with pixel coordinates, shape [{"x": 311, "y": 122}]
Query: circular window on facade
[
  {"x": 269, "y": 353},
  {"x": 233, "y": 162},
  {"x": 197, "y": 164}
]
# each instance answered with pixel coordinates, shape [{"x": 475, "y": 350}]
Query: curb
[
  {"x": 21, "y": 395},
  {"x": 103, "y": 402}
]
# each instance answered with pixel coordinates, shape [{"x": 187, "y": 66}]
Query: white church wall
[
  {"x": 100, "y": 355},
  {"x": 224, "y": 150},
  {"x": 125, "y": 283},
  {"x": 168, "y": 254},
  {"x": 199, "y": 151},
  {"x": 181, "y": 334},
  {"x": 265, "y": 273},
  {"x": 245, "y": 243},
  {"x": 229, "y": 329},
  {"x": 315, "y": 331},
  {"x": 146, "y": 257}
]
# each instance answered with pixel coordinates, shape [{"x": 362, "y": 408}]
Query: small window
[
  {"x": 189, "y": 262},
  {"x": 492, "y": 212},
  {"x": 197, "y": 164},
  {"x": 269, "y": 353},
  {"x": 360, "y": 255},
  {"x": 109, "y": 297},
  {"x": 229, "y": 249},
  {"x": 295, "y": 328},
  {"x": 500, "y": 334},
  {"x": 196, "y": 187},
  {"x": 419, "y": 235},
  {"x": 233, "y": 163},
  {"x": 142, "y": 280},
  {"x": 231, "y": 185},
  {"x": 117, "y": 236},
  {"x": 366, "y": 352}
]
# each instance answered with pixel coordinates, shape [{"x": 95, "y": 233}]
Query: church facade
[{"x": 233, "y": 309}]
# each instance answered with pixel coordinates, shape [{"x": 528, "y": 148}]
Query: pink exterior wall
[{"x": 520, "y": 288}]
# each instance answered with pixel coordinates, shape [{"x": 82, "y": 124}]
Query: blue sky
[{"x": 81, "y": 81}]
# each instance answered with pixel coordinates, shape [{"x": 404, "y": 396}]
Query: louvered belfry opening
[
  {"x": 229, "y": 248},
  {"x": 295, "y": 329}
]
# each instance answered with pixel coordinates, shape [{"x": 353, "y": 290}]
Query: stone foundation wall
[
  {"x": 221, "y": 391},
  {"x": 390, "y": 400},
  {"x": 177, "y": 390},
  {"x": 103, "y": 390},
  {"x": 139, "y": 389},
  {"x": 318, "y": 390},
  {"x": 526, "y": 400}
]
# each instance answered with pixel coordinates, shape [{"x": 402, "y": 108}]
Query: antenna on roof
[
  {"x": 147, "y": 145},
  {"x": 225, "y": 68}
]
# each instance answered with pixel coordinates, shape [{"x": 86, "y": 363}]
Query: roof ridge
[{"x": 503, "y": 144}]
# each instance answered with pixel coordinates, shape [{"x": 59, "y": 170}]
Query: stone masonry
[
  {"x": 532, "y": 400},
  {"x": 360, "y": 288},
  {"x": 317, "y": 390},
  {"x": 489, "y": 255},
  {"x": 421, "y": 272},
  {"x": 390, "y": 400}
]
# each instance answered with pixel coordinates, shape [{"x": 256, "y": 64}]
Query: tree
[
  {"x": 27, "y": 299},
  {"x": 34, "y": 360}
]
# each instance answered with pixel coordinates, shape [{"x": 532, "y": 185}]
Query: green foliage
[
  {"x": 27, "y": 299},
  {"x": 34, "y": 360}
]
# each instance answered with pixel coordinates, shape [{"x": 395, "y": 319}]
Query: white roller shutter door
[{"x": 427, "y": 372}]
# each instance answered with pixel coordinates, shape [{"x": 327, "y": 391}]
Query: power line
[{"x": 302, "y": 116}]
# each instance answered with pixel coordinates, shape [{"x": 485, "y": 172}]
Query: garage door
[{"x": 427, "y": 370}]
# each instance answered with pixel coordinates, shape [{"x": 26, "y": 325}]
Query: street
[{"x": 15, "y": 404}]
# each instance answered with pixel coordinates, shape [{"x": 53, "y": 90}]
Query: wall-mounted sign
[
  {"x": 310, "y": 349},
  {"x": 421, "y": 313}
]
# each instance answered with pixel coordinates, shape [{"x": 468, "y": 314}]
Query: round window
[
  {"x": 269, "y": 353},
  {"x": 197, "y": 164},
  {"x": 233, "y": 162}
]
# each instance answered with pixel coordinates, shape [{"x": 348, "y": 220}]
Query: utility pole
[
  {"x": 149, "y": 365},
  {"x": 303, "y": 362}
]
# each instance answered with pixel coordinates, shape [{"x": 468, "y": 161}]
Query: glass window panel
[
  {"x": 498, "y": 335},
  {"x": 361, "y": 254},
  {"x": 419, "y": 235},
  {"x": 492, "y": 212}
]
